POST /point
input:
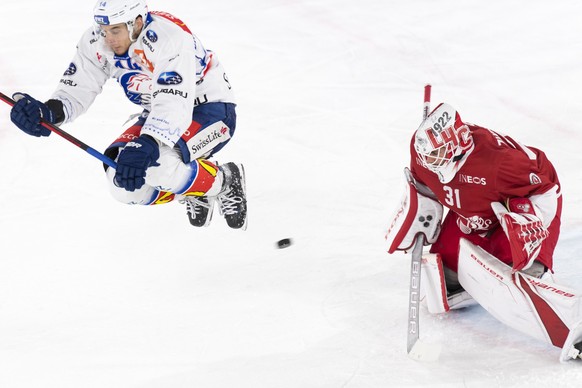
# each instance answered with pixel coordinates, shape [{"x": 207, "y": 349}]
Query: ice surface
[{"x": 94, "y": 293}]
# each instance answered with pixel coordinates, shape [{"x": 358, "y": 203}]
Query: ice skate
[
  {"x": 572, "y": 349},
  {"x": 199, "y": 210},
  {"x": 232, "y": 201}
]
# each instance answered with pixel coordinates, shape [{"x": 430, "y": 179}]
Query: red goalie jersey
[{"x": 468, "y": 168}]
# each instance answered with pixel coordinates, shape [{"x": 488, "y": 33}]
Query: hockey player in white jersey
[{"x": 188, "y": 111}]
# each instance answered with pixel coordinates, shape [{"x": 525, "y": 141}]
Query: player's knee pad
[
  {"x": 146, "y": 195},
  {"x": 416, "y": 215}
]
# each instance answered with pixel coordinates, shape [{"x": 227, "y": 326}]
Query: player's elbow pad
[{"x": 416, "y": 215}]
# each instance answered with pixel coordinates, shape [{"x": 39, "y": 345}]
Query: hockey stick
[
  {"x": 417, "y": 349},
  {"x": 67, "y": 136},
  {"x": 414, "y": 294}
]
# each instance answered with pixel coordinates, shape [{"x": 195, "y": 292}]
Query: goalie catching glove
[
  {"x": 524, "y": 230},
  {"x": 418, "y": 214}
]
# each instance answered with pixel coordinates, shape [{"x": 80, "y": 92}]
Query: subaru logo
[
  {"x": 170, "y": 78},
  {"x": 71, "y": 70},
  {"x": 152, "y": 36}
]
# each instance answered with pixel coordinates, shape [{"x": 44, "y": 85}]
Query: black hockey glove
[
  {"x": 133, "y": 161},
  {"x": 27, "y": 113}
]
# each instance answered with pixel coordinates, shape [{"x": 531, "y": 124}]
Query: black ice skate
[
  {"x": 232, "y": 201},
  {"x": 199, "y": 210}
]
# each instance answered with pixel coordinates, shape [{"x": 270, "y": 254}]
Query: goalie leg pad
[
  {"x": 434, "y": 289},
  {"x": 572, "y": 348},
  {"x": 536, "y": 307}
]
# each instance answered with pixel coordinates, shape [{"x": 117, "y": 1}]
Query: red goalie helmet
[{"x": 443, "y": 142}]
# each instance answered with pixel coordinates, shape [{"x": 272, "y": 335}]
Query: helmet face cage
[
  {"x": 112, "y": 12},
  {"x": 441, "y": 140},
  {"x": 436, "y": 158}
]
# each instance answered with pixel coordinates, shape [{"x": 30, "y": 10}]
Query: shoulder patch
[{"x": 534, "y": 179}]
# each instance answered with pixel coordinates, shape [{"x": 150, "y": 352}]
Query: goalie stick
[
  {"x": 67, "y": 136},
  {"x": 417, "y": 349}
]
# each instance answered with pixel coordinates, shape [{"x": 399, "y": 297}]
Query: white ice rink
[{"x": 96, "y": 294}]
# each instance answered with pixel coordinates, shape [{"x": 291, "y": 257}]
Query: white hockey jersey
[{"x": 166, "y": 71}]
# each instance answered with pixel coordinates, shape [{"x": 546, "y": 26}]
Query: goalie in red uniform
[{"x": 497, "y": 240}]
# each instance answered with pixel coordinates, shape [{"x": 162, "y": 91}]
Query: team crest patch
[
  {"x": 137, "y": 87},
  {"x": 534, "y": 179},
  {"x": 71, "y": 70}
]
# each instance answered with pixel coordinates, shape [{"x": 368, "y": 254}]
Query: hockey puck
[{"x": 283, "y": 243}]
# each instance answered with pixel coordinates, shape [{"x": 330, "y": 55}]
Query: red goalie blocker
[{"x": 416, "y": 214}]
